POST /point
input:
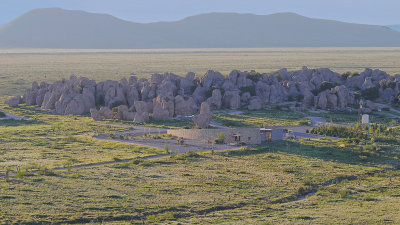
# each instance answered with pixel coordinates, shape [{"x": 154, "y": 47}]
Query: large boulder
[
  {"x": 321, "y": 100},
  {"x": 40, "y": 96},
  {"x": 243, "y": 81},
  {"x": 166, "y": 103},
  {"x": 115, "y": 96},
  {"x": 79, "y": 105},
  {"x": 231, "y": 99},
  {"x": 107, "y": 113},
  {"x": 308, "y": 100},
  {"x": 30, "y": 96},
  {"x": 355, "y": 81},
  {"x": 255, "y": 103},
  {"x": 342, "y": 96},
  {"x": 202, "y": 120},
  {"x": 157, "y": 78},
  {"x": 245, "y": 98},
  {"x": 52, "y": 96},
  {"x": 187, "y": 83},
  {"x": 367, "y": 83},
  {"x": 132, "y": 95},
  {"x": 120, "y": 112},
  {"x": 141, "y": 106},
  {"x": 212, "y": 78},
  {"x": 166, "y": 89},
  {"x": 185, "y": 107},
  {"x": 332, "y": 100},
  {"x": 387, "y": 95},
  {"x": 96, "y": 116},
  {"x": 140, "y": 117},
  {"x": 204, "y": 108},
  {"x": 14, "y": 102},
  {"x": 199, "y": 94},
  {"x": 142, "y": 113},
  {"x": 159, "y": 113},
  {"x": 128, "y": 116},
  {"x": 215, "y": 101}
]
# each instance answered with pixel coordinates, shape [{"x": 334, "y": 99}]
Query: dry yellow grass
[{"x": 18, "y": 68}]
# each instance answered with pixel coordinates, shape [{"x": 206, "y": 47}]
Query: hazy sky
[{"x": 383, "y": 12}]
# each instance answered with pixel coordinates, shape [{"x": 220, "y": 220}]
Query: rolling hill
[{"x": 58, "y": 28}]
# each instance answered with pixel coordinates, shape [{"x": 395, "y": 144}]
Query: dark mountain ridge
[{"x": 58, "y": 28}]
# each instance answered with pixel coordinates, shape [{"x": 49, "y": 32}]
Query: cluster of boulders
[{"x": 167, "y": 95}]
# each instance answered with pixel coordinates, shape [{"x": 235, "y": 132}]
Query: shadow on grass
[
  {"x": 326, "y": 153},
  {"x": 13, "y": 123}
]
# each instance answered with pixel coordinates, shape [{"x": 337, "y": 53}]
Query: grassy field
[
  {"x": 19, "y": 68},
  {"x": 254, "y": 186},
  {"x": 260, "y": 118},
  {"x": 50, "y": 141},
  {"x": 349, "y": 182}
]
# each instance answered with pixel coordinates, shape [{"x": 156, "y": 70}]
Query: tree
[{"x": 370, "y": 93}]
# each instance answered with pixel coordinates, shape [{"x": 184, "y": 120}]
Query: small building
[
  {"x": 251, "y": 136},
  {"x": 269, "y": 134}
]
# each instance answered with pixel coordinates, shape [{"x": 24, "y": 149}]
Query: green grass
[
  {"x": 345, "y": 117},
  {"x": 259, "y": 118},
  {"x": 168, "y": 124},
  {"x": 59, "y": 141},
  {"x": 254, "y": 185},
  {"x": 19, "y": 68}
]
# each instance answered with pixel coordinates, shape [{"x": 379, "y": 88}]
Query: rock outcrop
[
  {"x": 14, "y": 102},
  {"x": 204, "y": 118},
  {"x": 166, "y": 95}
]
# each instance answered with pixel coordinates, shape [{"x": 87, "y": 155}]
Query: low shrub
[
  {"x": 254, "y": 76},
  {"x": 180, "y": 141},
  {"x": 210, "y": 91},
  {"x": 250, "y": 89},
  {"x": 370, "y": 93},
  {"x": 304, "y": 122},
  {"x": 220, "y": 138},
  {"x": 387, "y": 84},
  {"x": 343, "y": 193}
]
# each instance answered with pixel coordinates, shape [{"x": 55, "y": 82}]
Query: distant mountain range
[
  {"x": 394, "y": 27},
  {"x": 58, "y": 28}
]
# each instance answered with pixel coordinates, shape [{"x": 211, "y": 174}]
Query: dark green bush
[
  {"x": 250, "y": 89},
  {"x": 279, "y": 77},
  {"x": 210, "y": 91},
  {"x": 370, "y": 93},
  {"x": 387, "y": 84},
  {"x": 354, "y": 74},
  {"x": 254, "y": 76},
  {"x": 326, "y": 85},
  {"x": 2, "y": 114},
  {"x": 192, "y": 89}
]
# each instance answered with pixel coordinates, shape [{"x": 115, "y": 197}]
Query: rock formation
[
  {"x": 166, "y": 95},
  {"x": 204, "y": 118}
]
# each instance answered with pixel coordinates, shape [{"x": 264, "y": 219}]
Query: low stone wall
[{"x": 247, "y": 135}]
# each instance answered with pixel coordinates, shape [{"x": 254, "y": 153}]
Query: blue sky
[{"x": 382, "y": 12}]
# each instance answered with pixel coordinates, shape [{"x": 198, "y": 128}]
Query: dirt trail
[{"x": 97, "y": 164}]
